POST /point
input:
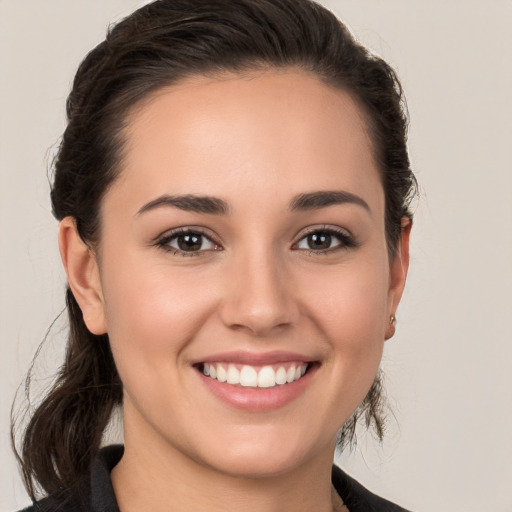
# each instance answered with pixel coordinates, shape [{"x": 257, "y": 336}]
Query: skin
[{"x": 256, "y": 142}]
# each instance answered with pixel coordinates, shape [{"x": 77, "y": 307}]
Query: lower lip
[{"x": 258, "y": 399}]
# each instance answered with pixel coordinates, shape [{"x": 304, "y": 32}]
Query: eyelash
[
  {"x": 346, "y": 241},
  {"x": 164, "y": 241}
]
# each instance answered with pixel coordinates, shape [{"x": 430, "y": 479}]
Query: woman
[{"x": 232, "y": 190}]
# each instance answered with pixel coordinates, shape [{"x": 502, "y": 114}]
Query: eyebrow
[
  {"x": 215, "y": 206},
  {"x": 189, "y": 203},
  {"x": 322, "y": 199}
]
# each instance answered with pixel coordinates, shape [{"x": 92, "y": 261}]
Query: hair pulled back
[{"x": 157, "y": 46}]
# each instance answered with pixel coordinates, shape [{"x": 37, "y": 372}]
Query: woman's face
[{"x": 245, "y": 239}]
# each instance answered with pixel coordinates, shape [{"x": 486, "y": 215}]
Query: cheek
[
  {"x": 152, "y": 309},
  {"x": 152, "y": 314},
  {"x": 349, "y": 305}
]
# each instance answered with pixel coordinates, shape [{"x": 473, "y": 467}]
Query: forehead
[{"x": 273, "y": 133}]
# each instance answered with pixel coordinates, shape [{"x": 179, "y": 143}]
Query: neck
[{"x": 159, "y": 478}]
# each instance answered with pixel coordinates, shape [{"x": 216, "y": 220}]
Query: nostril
[{"x": 259, "y": 306}]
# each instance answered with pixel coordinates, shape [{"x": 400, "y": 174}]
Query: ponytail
[{"x": 65, "y": 432}]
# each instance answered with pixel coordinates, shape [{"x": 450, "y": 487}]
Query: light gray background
[{"x": 449, "y": 368}]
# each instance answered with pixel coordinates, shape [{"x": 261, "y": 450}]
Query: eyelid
[
  {"x": 188, "y": 229},
  {"x": 347, "y": 239},
  {"x": 164, "y": 238},
  {"x": 322, "y": 227}
]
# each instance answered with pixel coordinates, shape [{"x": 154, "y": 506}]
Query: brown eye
[
  {"x": 319, "y": 241},
  {"x": 325, "y": 240},
  {"x": 190, "y": 242}
]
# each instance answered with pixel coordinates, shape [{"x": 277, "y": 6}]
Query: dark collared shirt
[{"x": 96, "y": 494}]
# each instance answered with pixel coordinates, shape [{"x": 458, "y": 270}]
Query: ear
[
  {"x": 398, "y": 275},
  {"x": 83, "y": 275}
]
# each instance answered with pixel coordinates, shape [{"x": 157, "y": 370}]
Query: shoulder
[
  {"x": 65, "y": 502},
  {"x": 357, "y": 497},
  {"x": 93, "y": 493},
  {"x": 76, "y": 499}
]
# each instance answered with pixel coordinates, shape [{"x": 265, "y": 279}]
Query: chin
[
  {"x": 257, "y": 465},
  {"x": 264, "y": 453}
]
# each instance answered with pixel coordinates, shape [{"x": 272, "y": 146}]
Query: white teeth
[
  {"x": 267, "y": 377},
  {"x": 233, "y": 375},
  {"x": 222, "y": 374},
  {"x": 281, "y": 376},
  {"x": 249, "y": 376}
]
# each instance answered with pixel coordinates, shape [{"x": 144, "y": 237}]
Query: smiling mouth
[{"x": 267, "y": 376}]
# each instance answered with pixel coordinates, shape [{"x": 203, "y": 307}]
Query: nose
[{"x": 260, "y": 298}]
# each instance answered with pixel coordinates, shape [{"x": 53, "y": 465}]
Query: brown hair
[{"x": 159, "y": 45}]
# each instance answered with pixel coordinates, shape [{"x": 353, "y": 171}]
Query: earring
[{"x": 390, "y": 331}]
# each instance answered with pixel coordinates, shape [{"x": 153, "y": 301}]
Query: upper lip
[{"x": 255, "y": 358}]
